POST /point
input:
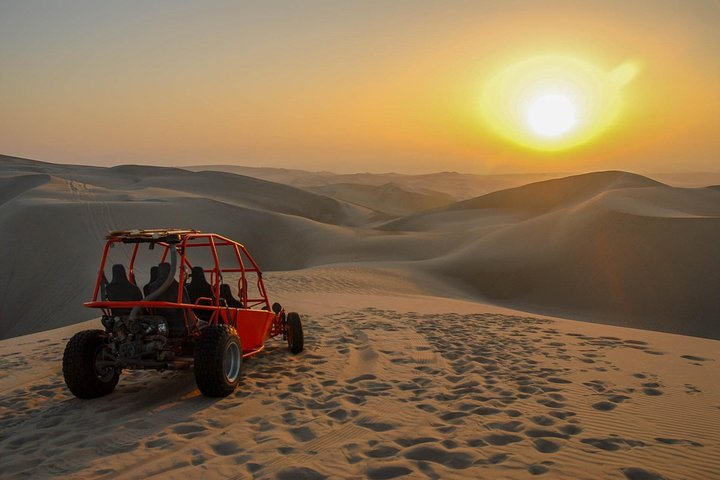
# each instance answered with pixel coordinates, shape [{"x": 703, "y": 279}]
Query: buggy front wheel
[{"x": 218, "y": 360}]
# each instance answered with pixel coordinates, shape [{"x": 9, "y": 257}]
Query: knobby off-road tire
[
  {"x": 81, "y": 376},
  {"x": 218, "y": 361},
  {"x": 295, "y": 339}
]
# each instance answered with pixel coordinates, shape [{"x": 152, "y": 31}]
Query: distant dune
[
  {"x": 459, "y": 186},
  {"x": 618, "y": 247},
  {"x": 691, "y": 179},
  {"x": 390, "y": 198},
  {"x": 542, "y": 197},
  {"x": 608, "y": 247}
]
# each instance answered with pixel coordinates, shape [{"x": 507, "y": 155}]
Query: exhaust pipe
[{"x": 165, "y": 285}]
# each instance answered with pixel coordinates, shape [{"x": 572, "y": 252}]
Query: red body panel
[{"x": 252, "y": 326}]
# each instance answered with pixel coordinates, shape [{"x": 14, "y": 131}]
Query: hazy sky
[{"x": 345, "y": 85}]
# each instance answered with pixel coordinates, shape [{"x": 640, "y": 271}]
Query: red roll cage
[{"x": 184, "y": 241}]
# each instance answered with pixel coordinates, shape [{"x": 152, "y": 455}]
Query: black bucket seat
[
  {"x": 200, "y": 288},
  {"x": 120, "y": 289},
  {"x": 226, "y": 294}
]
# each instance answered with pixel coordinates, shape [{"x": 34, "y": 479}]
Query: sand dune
[
  {"x": 618, "y": 247},
  {"x": 389, "y": 199},
  {"x": 128, "y": 182},
  {"x": 459, "y": 186},
  {"x": 393, "y": 384},
  {"x": 541, "y": 197},
  {"x": 528, "y": 200},
  {"x": 610, "y": 247},
  {"x": 690, "y": 179},
  {"x": 54, "y": 221}
]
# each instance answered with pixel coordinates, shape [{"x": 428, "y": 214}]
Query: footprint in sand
[
  {"x": 302, "y": 434},
  {"x": 546, "y": 446},
  {"x": 387, "y": 472},
  {"x": 691, "y": 389},
  {"x": 226, "y": 448},
  {"x": 611, "y": 444},
  {"x": 502, "y": 439},
  {"x": 189, "y": 430},
  {"x": 571, "y": 429},
  {"x": 654, "y": 392},
  {"x": 434, "y": 454},
  {"x": 634, "y": 473},
  {"x": 604, "y": 406},
  {"x": 677, "y": 441},
  {"x": 537, "y": 469},
  {"x": 695, "y": 358},
  {"x": 383, "y": 451},
  {"x": 297, "y": 473}
]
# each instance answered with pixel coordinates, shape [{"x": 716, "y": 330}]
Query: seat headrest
[
  {"x": 153, "y": 274},
  {"x": 118, "y": 273},
  {"x": 197, "y": 274}
]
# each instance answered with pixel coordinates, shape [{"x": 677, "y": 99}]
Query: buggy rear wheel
[
  {"x": 218, "y": 360},
  {"x": 294, "y": 332},
  {"x": 82, "y": 376}
]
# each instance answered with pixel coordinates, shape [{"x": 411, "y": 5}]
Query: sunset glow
[
  {"x": 554, "y": 102},
  {"x": 364, "y": 87}
]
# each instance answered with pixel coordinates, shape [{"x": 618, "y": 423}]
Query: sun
[
  {"x": 551, "y": 115},
  {"x": 554, "y": 102}
]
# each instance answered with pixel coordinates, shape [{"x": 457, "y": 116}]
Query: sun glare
[
  {"x": 554, "y": 102},
  {"x": 551, "y": 115}
]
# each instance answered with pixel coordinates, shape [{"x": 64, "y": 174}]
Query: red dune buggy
[{"x": 177, "y": 323}]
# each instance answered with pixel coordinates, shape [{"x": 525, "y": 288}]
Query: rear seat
[
  {"x": 200, "y": 288},
  {"x": 226, "y": 294},
  {"x": 121, "y": 290}
]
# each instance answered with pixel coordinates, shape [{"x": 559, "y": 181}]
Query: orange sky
[{"x": 343, "y": 86}]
